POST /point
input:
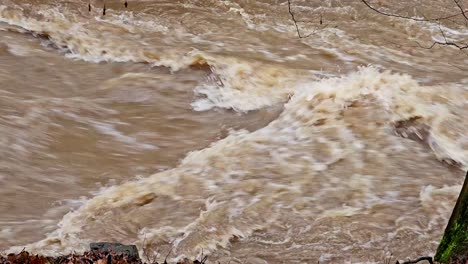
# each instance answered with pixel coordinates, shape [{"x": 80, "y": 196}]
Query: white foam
[
  {"x": 398, "y": 94},
  {"x": 109, "y": 129}
]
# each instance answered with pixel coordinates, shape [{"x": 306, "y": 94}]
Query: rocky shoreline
[
  {"x": 116, "y": 253},
  {"x": 100, "y": 253}
]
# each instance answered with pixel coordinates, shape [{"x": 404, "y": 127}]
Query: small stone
[
  {"x": 186, "y": 261},
  {"x": 23, "y": 257},
  {"x": 101, "y": 261},
  {"x": 11, "y": 258},
  {"x": 129, "y": 250}
]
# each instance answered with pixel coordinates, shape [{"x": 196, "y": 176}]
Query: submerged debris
[
  {"x": 116, "y": 253},
  {"x": 100, "y": 253},
  {"x": 105, "y": 257},
  {"x": 129, "y": 250}
]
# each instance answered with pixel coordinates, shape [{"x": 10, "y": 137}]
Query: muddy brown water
[{"x": 207, "y": 125}]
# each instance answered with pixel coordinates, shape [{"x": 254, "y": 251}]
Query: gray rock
[{"x": 117, "y": 248}]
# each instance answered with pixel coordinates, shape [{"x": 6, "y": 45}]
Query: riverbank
[
  {"x": 90, "y": 257},
  {"x": 103, "y": 257}
]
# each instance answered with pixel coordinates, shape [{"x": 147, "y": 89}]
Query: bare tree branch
[
  {"x": 294, "y": 19},
  {"x": 447, "y": 42},
  {"x": 411, "y": 18},
  {"x": 297, "y": 26},
  {"x": 104, "y": 6},
  {"x": 463, "y": 12}
]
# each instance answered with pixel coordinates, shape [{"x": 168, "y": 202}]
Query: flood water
[{"x": 209, "y": 126}]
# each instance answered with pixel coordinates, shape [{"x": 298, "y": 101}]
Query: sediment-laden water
[{"x": 208, "y": 125}]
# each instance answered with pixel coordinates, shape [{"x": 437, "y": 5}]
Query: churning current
[{"x": 210, "y": 126}]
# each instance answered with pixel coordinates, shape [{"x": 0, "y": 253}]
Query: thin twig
[
  {"x": 407, "y": 17},
  {"x": 294, "y": 19},
  {"x": 297, "y": 26},
  {"x": 170, "y": 251},
  {"x": 462, "y": 46},
  {"x": 463, "y": 12},
  {"x": 449, "y": 43}
]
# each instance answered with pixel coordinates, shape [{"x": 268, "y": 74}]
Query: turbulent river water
[{"x": 208, "y": 125}]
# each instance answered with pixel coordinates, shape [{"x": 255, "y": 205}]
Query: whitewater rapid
[{"x": 330, "y": 148}]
